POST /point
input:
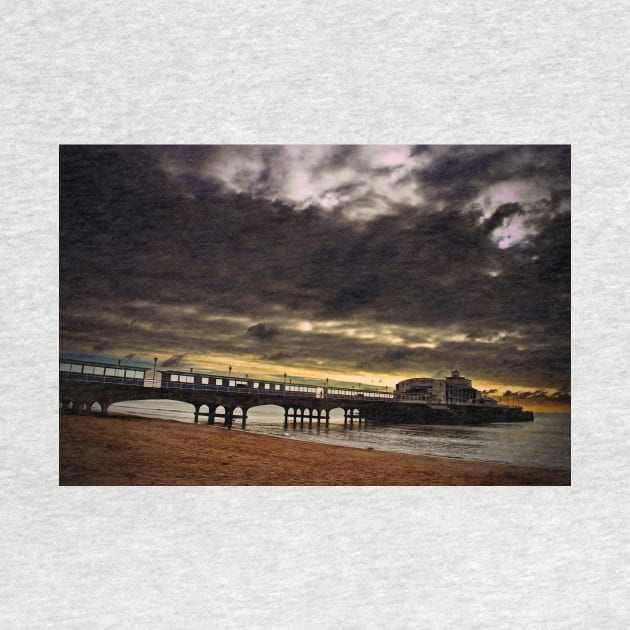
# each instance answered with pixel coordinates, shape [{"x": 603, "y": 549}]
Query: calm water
[{"x": 544, "y": 442}]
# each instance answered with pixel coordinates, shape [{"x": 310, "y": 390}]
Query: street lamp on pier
[{"x": 154, "y": 366}]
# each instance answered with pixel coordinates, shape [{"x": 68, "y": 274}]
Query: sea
[{"x": 545, "y": 442}]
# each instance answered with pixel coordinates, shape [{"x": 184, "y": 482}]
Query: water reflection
[{"x": 544, "y": 442}]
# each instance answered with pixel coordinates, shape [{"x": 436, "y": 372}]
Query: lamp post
[
  {"x": 229, "y": 371},
  {"x": 154, "y": 366}
]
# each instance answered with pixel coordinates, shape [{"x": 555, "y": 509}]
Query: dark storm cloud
[
  {"x": 263, "y": 332},
  {"x": 179, "y": 258},
  {"x": 461, "y": 173},
  {"x": 502, "y": 213},
  {"x": 175, "y": 360},
  {"x": 278, "y": 356},
  {"x": 538, "y": 396},
  {"x": 395, "y": 357},
  {"x": 345, "y": 189}
]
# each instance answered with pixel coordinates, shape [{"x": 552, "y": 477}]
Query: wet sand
[{"x": 136, "y": 451}]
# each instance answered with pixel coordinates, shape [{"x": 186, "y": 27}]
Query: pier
[{"x": 216, "y": 397}]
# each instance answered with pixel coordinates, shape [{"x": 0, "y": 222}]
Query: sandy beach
[{"x": 114, "y": 450}]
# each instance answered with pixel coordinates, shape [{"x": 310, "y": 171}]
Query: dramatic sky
[{"x": 365, "y": 264}]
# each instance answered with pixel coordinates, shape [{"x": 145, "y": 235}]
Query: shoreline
[
  {"x": 135, "y": 450},
  {"x": 296, "y": 437}
]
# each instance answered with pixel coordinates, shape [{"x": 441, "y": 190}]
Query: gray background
[{"x": 298, "y": 72}]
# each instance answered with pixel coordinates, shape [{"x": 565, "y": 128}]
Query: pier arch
[
  {"x": 221, "y": 415},
  {"x": 239, "y": 414},
  {"x": 158, "y": 408},
  {"x": 336, "y": 415},
  {"x": 267, "y": 413}
]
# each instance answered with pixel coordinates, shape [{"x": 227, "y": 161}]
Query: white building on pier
[{"x": 452, "y": 390}]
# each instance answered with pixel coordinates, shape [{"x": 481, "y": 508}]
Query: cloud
[
  {"x": 173, "y": 361},
  {"x": 501, "y": 214},
  {"x": 278, "y": 356},
  {"x": 263, "y": 332},
  {"x": 177, "y": 250},
  {"x": 539, "y": 395},
  {"x": 462, "y": 174}
]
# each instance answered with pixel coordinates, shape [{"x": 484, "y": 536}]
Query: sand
[{"x": 96, "y": 450}]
